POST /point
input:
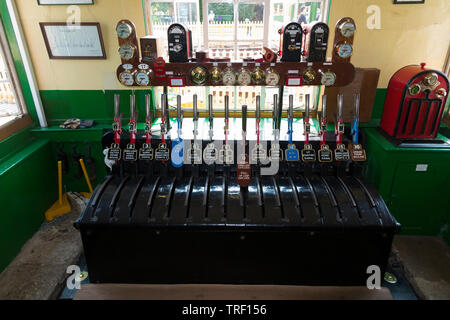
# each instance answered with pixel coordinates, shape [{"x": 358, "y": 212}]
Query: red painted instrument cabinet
[{"x": 415, "y": 103}]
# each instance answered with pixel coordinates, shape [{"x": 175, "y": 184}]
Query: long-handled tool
[
  {"x": 86, "y": 177},
  {"x": 211, "y": 154},
  {"x": 275, "y": 153},
  {"x": 177, "y": 157},
  {"x": 243, "y": 167},
  {"x": 62, "y": 206},
  {"x": 292, "y": 153},
  {"x": 308, "y": 152},
  {"x": 227, "y": 155},
  {"x": 356, "y": 149},
  {"x": 341, "y": 153},
  {"x": 146, "y": 151},
  {"x": 114, "y": 152},
  {"x": 325, "y": 154},
  {"x": 258, "y": 153}
]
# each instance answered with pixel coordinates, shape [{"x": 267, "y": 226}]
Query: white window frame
[
  {"x": 236, "y": 42},
  {"x": 11, "y": 75}
]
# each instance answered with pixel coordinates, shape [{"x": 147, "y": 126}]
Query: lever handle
[
  {"x": 132, "y": 106},
  {"x": 307, "y": 106},
  {"x": 258, "y": 107},
  {"x": 179, "y": 111},
  {"x": 148, "y": 111},
  {"x": 227, "y": 107},
  {"x": 340, "y": 106},
  {"x": 324, "y": 108},
  {"x": 357, "y": 101},
  {"x": 116, "y": 105},
  {"x": 210, "y": 106},
  {"x": 244, "y": 118},
  {"x": 194, "y": 107},
  {"x": 291, "y": 107},
  {"x": 163, "y": 106},
  {"x": 275, "y": 109}
]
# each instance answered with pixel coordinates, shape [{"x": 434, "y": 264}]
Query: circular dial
[
  {"x": 258, "y": 75},
  {"x": 126, "y": 78},
  {"x": 216, "y": 74},
  {"x": 309, "y": 75},
  {"x": 347, "y": 29},
  {"x": 441, "y": 93},
  {"x": 244, "y": 78},
  {"x": 430, "y": 79},
  {"x": 142, "y": 78},
  {"x": 127, "y": 51},
  {"x": 177, "y": 47},
  {"x": 328, "y": 78},
  {"x": 124, "y": 30},
  {"x": 414, "y": 89},
  {"x": 229, "y": 77},
  {"x": 272, "y": 77},
  {"x": 344, "y": 50},
  {"x": 199, "y": 75}
]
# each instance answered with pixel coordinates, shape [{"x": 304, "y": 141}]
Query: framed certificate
[
  {"x": 82, "y": 41},
  {"x": 67, "y": 2},
  {"x": 408, "y": 1}
]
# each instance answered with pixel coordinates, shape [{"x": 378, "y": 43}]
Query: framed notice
[
  {"x": 65, "y": 41},
  {"x": 67, "y": 2},
  {"x": 408, "y": 1}
]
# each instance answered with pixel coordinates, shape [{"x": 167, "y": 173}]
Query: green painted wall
[
  {"x": 420, "y": 201},
  {"x": 28, "y": 180}
]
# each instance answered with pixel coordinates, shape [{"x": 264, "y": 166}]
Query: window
[
  {"x": 12, "y": 105},
  {"x": 236, "y": 29}
]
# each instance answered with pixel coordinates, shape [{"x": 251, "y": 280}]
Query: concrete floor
[
  {"x": 426, "y": 261},
  {"x": 39, "y": 271}
]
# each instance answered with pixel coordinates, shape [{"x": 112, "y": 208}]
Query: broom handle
[
  {"x": 60, "y": 182},
  {"x": 86, "y": 175}
]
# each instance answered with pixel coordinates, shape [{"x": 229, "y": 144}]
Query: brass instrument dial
[
  {"x": 309, "y": 75},
  {"x": 258, "y": 76},
  {"x": 430, "y": 79},
  {"x": 328, "y": 78},
  {"x": 414, "y": 89},
  {"x": 127, "y": 51},
  {"x": 344, "y": 50},
  {"x": 347, "y": 29},
  {"x": 244, "y": 77},
  {"x": 124, "y": 30},
  {"x": 199, "y": 75},
  {"x": 216, "y": 75},
  {"x": 441, "y": 93},
  {"x": 272, "y": 77},
  {"x": 229, "y": 77},
  {"x": 127, "y": 77}
]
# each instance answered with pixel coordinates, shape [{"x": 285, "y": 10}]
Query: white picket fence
[{"x": 218, "y": 33}]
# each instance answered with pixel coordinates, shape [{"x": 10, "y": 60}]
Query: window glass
[{"x": 10, "y": 105}]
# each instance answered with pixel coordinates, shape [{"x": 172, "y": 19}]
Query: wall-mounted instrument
[
  {"x": 415, "y": 103},
  {"x": 128, "y": 43},
  {"x": 151, "y": 48},
  {"x": 316, "y": 42},
  {"x": 343, "y": 40},
  {"x": 291, "y": 48},
  {"x": 180, "y": 43}
]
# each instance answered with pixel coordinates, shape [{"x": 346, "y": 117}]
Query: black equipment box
[{"x": 196, "y": 226}]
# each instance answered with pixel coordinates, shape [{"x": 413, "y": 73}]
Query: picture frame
[
  {"x": 64, "y": 2},
  {"x": 73, "y": 42},
  {"x": 409, "y": 1}
]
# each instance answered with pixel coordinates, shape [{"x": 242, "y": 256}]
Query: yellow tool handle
[
  {"x": 60, "y": 181},
  {"x": 86, "y": 175}
]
